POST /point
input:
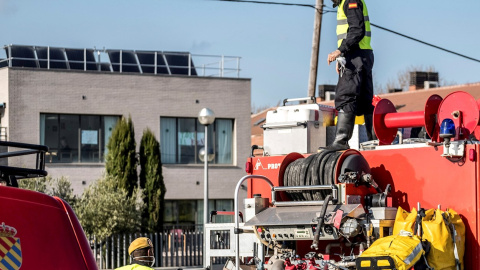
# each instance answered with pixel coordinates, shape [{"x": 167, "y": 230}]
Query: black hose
[
  {"x": 304, "y": 177},
  {"x": 317, "y": 169},
  {"x": 321, "y": 219}
]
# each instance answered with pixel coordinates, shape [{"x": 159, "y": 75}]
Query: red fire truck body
[
  {"x": 441, "y": 172},
  {"x": 417, "y": 174}
]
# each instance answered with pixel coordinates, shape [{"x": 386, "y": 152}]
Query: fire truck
[
  {"x": 37, "y": 231},
  {"x": 316, "y": 209}
]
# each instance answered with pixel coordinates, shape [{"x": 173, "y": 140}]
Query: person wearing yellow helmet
[
  {"x": 141, "y": 255},
  {"x": 354, "y": 55}
]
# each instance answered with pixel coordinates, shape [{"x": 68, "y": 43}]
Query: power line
[
  {"x": 426, "y": 43},
  {"x": 375, "y": 25},
  {"x": 279, "y": 3},
  {"x": 268, "y": 3}
]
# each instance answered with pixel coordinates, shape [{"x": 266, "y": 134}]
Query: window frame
[
  {"x": 54, "y": 157},
  {"x": 198, "y": 129}
]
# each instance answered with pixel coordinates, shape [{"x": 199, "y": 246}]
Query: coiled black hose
[{"x": 317, "y": 169}]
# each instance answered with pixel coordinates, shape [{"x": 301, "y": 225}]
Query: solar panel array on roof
[
  {"x": 177, "y": 63},
  {"x": 76, "y": 59},
  {"x": 147, "y": 62},
  {"x": 22, "y": 56},
  {"x": 56, "y": 56},
  {"x": 123, "y": 61}
]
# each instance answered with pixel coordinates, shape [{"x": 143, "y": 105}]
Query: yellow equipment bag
[
  {"x": 405, "y": 249},
  {"x": 404, "y": 221},
  {"x": 446, "y": 233}
]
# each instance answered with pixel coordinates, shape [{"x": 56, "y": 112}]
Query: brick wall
[{"x": 145, "y": 98}]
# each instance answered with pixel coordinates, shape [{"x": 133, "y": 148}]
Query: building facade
[{"x": 74, "y": 111}]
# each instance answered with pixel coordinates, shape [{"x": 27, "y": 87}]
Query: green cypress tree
[
  {"x": 151, "y": 180},
  {"x": 121, "y": 160}
]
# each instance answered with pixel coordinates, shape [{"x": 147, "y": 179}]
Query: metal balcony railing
[{"x": 121, "y": 61}]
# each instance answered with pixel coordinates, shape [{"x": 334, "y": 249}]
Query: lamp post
[{"x": 205, "y": 117}]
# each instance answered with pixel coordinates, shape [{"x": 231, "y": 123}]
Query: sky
[{"x": 273, "y": 41}]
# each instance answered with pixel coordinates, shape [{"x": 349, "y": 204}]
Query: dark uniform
[{"x": 354, "y": 91}]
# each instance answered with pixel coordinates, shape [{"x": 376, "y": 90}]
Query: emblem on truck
[{"x": 10, "y": 249}]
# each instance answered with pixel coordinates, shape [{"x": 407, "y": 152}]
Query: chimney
[
  {"x": 326, "y": 92},
  {"x": 423, "y": 80}
]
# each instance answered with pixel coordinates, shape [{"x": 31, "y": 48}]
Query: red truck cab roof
[
  {"x": 48, "y": 234},
  {"x": 37, "y": 231}
]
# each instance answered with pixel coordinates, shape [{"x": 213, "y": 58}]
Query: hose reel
[{"x": 323, "y": 168}]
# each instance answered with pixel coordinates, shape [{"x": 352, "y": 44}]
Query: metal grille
[{"x": 174, "y": 247}]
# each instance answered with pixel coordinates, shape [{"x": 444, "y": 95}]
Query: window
[
  {"x": 181, "y": 140},
  {"x": 76, "y": 138},
  {"x": 190, "y": 212}
]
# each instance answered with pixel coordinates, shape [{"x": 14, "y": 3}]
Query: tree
[
  {"x": 121, "y": 161},
  {"x": 62, "y": 188},
  {"x": 36, "y": 184},
  {"x": 59, "y": 187},
  {"x": 151, "y": 180},
  {"x": 105, "y": 209},
  {"x": 403, "y": 79}
]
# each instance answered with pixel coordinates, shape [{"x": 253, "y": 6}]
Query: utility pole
[{"x": 317, "y": 27}]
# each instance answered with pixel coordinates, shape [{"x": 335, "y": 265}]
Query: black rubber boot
[
  {"x": 345, "y": 125},
  {"x": 369, "y": 127}
]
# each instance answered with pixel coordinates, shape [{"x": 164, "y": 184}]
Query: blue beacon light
[{"x": 447, "y": 129}]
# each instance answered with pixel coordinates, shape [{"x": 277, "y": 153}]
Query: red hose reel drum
[
  {"x": 463, "y": 109},
  {"x": 386, "y": 120},
  {"x": 459, "y": 106}
]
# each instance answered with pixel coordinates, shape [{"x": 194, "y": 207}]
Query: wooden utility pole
[{"x": 317, "y": 27}]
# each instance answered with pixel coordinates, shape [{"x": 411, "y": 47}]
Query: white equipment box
[{"x": 297, "y": 128}]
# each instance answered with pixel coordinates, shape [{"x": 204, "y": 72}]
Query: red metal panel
[
  {"x": 422, "y": 175},
  {"x": 267, "y": 166}
]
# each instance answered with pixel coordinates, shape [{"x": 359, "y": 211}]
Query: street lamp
[{"x": 205, "y": 117}]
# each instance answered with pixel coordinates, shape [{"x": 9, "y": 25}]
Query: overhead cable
[
  {"x": 426, "y": 43},
  {"x": 375, "y": 25},
  {"x": 279, "y": 3}
]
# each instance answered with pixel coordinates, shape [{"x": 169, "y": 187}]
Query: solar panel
[
  {"x": 150, "y": 62},
  {"x": 76, "y": 59},
  {"x": 128, "y": 62},
  {"x": 105, "y": 67},
  {"x": 57, "y": 57},
  {"x": 147, "y": 62},
  {"x": 22, "y": 56},
  {"x": 178, "y": 63}
]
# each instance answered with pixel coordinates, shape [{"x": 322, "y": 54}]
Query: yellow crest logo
[{"x": 10, "y": 249}]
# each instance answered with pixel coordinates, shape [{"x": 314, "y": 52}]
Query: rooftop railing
[{"x": 120, "y": 61}]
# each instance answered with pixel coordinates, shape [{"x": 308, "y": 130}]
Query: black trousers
[{"x": 354, "y": 90}]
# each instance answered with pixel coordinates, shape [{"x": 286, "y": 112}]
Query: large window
[
  {"x": 181, "y": 140},
  {"x": 190, "y": 212},
  {"x": 76, "y": 138}
]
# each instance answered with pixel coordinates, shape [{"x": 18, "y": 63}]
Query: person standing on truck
[
  {"x": 141, "y": 255},
  {"x": 354, "y": 92}
]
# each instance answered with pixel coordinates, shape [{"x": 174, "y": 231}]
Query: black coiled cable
[{"x": 316, "y": 169}]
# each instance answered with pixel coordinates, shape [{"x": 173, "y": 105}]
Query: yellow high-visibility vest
[
  {"x": 134, "y": 267},
  {"x": 342, "y": 27}
]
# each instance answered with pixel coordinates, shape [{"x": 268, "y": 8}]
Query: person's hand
[
  {"x": 333, "y": 56},
  {"x": 337, "y": 68}
]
